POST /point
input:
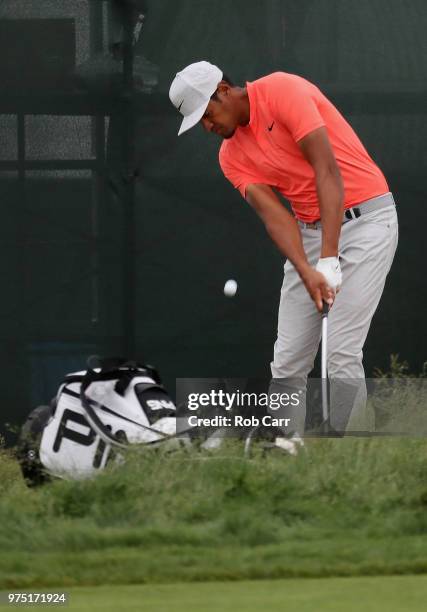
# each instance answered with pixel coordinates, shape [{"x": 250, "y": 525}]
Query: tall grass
[{"x": 342, "y": 506}]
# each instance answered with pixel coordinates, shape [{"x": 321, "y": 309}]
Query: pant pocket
[{"x": 386, "y": 217}]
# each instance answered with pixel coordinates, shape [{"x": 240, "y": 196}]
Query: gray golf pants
[{"x": 367, "y": 247}]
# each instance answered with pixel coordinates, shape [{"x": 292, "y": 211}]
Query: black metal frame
[{"x": 78, "y": 104}]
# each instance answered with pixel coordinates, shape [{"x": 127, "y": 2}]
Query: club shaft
[
  {"x": 325, "y": 407},
  {"x": 325, "y": 347}
]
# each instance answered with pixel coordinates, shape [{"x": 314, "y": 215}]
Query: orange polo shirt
[{"x": 283, "y": 109}]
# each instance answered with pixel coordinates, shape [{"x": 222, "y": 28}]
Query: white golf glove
[{"x": 331, "y": 270}]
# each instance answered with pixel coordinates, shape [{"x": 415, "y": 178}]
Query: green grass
[
  {"x": 380, "y": 594},
  {"x": 346, "y": 507}
]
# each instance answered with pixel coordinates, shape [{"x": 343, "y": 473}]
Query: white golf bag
[{"x": 94, "y": 417}]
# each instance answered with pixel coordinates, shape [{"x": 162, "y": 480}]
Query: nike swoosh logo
[
  {"x": 270, "y": 127},
  {"x": 179, "y": 107}
]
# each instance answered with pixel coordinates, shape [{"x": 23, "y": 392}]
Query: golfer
[{"x": 281, "y": 135}]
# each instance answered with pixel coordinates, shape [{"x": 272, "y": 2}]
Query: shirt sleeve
[
  {"x": 294, "y": 103},
  {"x": 237, "y": 172}
]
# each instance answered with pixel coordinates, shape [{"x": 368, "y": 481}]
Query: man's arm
[
  {"x": 317, "y": 150},
  {"x": 285, "y": 233}
]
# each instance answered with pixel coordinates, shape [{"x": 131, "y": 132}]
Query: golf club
[{"x": 325, "y": 405}]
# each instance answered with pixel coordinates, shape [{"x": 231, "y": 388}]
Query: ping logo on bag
[
  {"x": 68, "y": 433},
  {"x": 101, "y": 453}
]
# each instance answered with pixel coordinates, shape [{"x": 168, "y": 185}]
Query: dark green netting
[{"x": 69, "y": 282}]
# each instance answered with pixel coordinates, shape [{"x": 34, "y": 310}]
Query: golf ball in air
[{"x": 230, "y": 288}]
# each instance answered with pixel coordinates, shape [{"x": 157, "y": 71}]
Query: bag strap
[{"x": 105, "y": 434}]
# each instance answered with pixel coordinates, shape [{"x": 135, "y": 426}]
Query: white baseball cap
[{"x": 191, "y": 91}]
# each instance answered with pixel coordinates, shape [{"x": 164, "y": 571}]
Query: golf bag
[{"x": 94, "y": 417}]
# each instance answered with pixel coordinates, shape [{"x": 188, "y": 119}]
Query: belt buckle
[{"x": 312, "y": 225}]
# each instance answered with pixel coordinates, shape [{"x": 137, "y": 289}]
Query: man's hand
[
  {"x": 331, "y": 269},
  {"x": 317, "y": 287}
]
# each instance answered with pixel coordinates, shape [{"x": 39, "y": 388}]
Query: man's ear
[{"x": 223, "y": 87}]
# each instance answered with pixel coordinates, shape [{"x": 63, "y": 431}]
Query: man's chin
[{"x": 228, "y": 135}]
